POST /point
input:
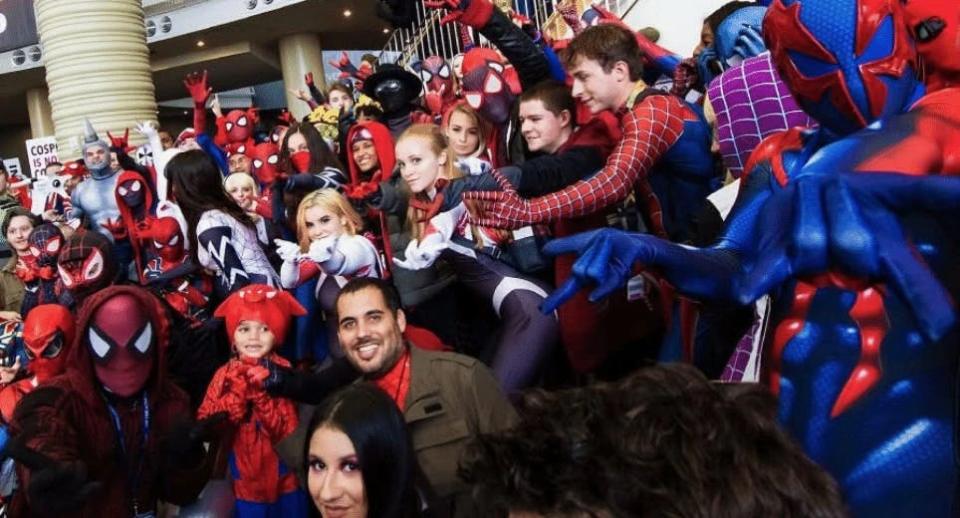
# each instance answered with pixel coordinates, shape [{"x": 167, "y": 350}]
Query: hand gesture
[
  {"x": 55, "y": 487},
  {"x": 422, "y": 254},
  {"x": 300, "y": 93},
  {"x": 308, "y": 78},
  {"x": 749, "y": 43},
  {"x": 215, "y": 106},
  {"x": 120, "y": 143},
  {"x": 322, "y": 249},
  {"x": 346, "y": 68},
  {"x": 456, "y": 8},
  {"x": 501, "y": 209},
  {"x": 147, "y": 129},
  {"x": 196, "y": 85},
  {"x": 288, "y": 251},
  {"x": 362, "y": 191},
  {"x": 434, "y": 100}
]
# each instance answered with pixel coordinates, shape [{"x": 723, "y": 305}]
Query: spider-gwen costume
[
  {"x": 862, "y": 350},
  {"x": 262, "y": 483},
  {"x": 233, "y": 250},
  {"x": 526, "y": 336},
  {"x": 334, "y": 260},
  {"x": 41, "y": 278}
]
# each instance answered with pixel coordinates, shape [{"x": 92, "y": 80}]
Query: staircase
[{"x": 428, "y": 37}]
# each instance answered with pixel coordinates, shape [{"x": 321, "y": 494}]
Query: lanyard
[{"x": 133, "y": 476}]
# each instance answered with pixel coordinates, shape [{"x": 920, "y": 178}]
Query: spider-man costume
[
  {"x": 235, "y": 131},
  {"x": 266, "y": 156},
  {"x": 86, "y": 266},
  {"x": 135, "y": 202},
  {"x": 262, "y": 483},
  {"x": 935, "y": 27},
  {"x": 862, "y": 351},
  {"x": 40, "y": 277},
  {"x": 110, "y": 436},
  {"x": 437, "y": 77},
  {"x": 170, "y": 272},
  {"x": 48, "y": 333}
]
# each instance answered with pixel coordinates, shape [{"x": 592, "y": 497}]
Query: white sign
[
  {"x": 12, "y": 165},
  {"x": 40, "y": 152}
]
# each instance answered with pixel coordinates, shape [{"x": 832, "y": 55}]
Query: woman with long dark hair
[
  {"x": 358, "y": 457},
  {"x": 222, "y": 237},
  {"x": 310, "y": 164}
]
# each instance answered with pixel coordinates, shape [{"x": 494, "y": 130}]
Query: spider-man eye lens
[
  {"x": 242, "y": 122},
  {"x": 135, "y": 187},
  {"x": 496, "y": 66},
  {"x": 157, "y": 245},
  {"x": 34, "y": 251},
  {"x": 426, "y": 76},
  {"x": 258, "y": 163},
  {"x": 53, "y": 246},
  {"x": 273, "y": 159},
  {"x": 174, "y": 241},
  {"x": 100, "y": 346},
  {"x": 93, "y": 266},
  {"x": 142, "y": 343},
  {"x": 65, "y": 276},
  {"x": 492, "y": 85},
  {"x": 474, "y": 100},
  {"x": 444, "y": 72},
  {"x": 122, "y": 191},
  {"x": 53, "y": 347},
  {"x": 229, "y": 126}
]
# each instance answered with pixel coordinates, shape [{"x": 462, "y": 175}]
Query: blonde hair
[
  {"x": 433, "y": 136},
  {"x": 240, "y": 180},
  {"x": 332, "y": 201},
  {"x": 481, "y": 125}
]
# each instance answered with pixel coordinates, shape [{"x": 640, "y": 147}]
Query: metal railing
[{"x": 427, "y": 37}]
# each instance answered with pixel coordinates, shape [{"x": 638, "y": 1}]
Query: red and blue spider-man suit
[
  {"x": 840, "y": 227},
  {"x": 262, "y": 483}
]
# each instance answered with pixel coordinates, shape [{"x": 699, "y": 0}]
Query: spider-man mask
[
  {"x": 436, "y": 75},
  {"x": 847, "y": 63},
  {"x": 45, "y": 242},
  {"x": 167, "y": 239},
  {"x": 489, "y": 86},
  {"x": 935, "y": 27},
  {"x": 86, "y": 265},
  {"x": 47, "y": 331},
  {"x": 123, "y": 349},
  {"x": 266, "y": 156},
  {"x": 239, "y": 125},
  {"x": 132, "y": 191}
]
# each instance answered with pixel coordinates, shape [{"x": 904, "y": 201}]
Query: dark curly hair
[{"x": 664, "y": 442}]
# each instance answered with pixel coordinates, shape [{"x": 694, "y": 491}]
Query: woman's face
[
  {"x": 339, "y": 99},
  {"x": 297, "y": 142},
  {"x": 17, "y": 233},
  {"x": 334, "y": 479},
  {"x": 321, "y": 222},
  {"x": 365, "y": 155},
  {"x": 419, "y": 165},
  {"x": 242, "y": 194},
  {"x": 463, "y": 134}
]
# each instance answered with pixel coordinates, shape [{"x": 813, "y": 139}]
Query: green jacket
[
  {"x": 452, "y": 399},
  {"x": 11, "y": 287}
]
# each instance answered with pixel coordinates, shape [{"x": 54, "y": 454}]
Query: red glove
[
  {"x": 308, "y": 78},
  {"x": 120, "y": 143},
  {"x": 569, "y": 14},
  {"x": 419, "y": 117},
  {"x": 346, "y": 68},
  {"x": 116, "y": 228},
  {"x": 434, "y": 100},
  {"x": 361, "y": 191},
  {"x": 196, "y": 85}
]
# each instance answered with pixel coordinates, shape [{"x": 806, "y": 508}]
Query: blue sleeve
[{"x": 218, "y": 155}]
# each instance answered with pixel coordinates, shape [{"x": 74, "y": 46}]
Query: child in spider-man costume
[
  {"x": 849, "y": 229},
  {"x": 257, "y": 318},
  {"x": 170, "y": 272}
]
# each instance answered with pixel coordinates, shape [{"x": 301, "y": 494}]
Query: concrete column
[
  {"x": 38, "y": 108},
  {"x": 97, "y": 66},
  {"x": 299, "y": 54}
]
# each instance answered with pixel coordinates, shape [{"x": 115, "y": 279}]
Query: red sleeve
[
  {"x": 225, "y": 393},
  {"x": 277, "y": 415},
  {"x": 199, "y": 117},
  {"x": 649, "y": 130},
  {"x": 220, "y": 138}
]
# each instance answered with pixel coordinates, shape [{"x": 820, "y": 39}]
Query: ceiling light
[
  {"x": 386, "y": 30},
  {"x": 200, "y": 43},
  {"x": 347, "y": 13}
]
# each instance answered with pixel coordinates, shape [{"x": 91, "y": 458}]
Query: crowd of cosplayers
[{"x": 578, "y": 277}]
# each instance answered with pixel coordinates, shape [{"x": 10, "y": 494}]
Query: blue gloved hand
[{"x": 749, "y": 43}]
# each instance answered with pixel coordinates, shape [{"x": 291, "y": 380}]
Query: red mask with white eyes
[
  {"x": 240, "y": 125},
  {"x": 48, "y": 331},
  {"x": 85, "y": 264},
  {"x": 489, "y": 85},
  {"x": 123, "y": 349},
  {"x": 265, "y": 156},
  {"x": 437, "y": 76},
  {"x": 167, "y": 239}
]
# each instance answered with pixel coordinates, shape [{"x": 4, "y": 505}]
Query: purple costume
[{"x": 751, "y": 102}]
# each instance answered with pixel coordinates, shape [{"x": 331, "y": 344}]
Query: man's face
[
  {"x": 95, "y": 155},
  {"x": 166, "y": 139},
  {"x": 541, "y": 128},
  {"x": 370, "y": 333},
  {"x": 239, "y": 163},
  {"x": 340, "y": 99},
  {"x": 594, "y": 87}
]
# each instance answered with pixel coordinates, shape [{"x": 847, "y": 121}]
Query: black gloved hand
[
  {"x": 278, "y": 378},
  {"x": 54, "y": 487},
  {"x": 183, "y": 445}
]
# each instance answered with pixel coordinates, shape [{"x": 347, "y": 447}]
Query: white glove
[
  {"x": 287, "y": 250},
  {"x": 147, "y": 129},
  {"x": 322, "y": 249},
  {"x": 422, "y": 254}
]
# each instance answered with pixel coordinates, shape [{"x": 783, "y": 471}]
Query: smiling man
[{"x": 447, "y": 399}]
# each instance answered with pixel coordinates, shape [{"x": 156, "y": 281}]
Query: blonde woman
[
  {"x": 243, "y": 189},
  {"x": 526, "y": 336},
  {"x": 330, "y": 246}
]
